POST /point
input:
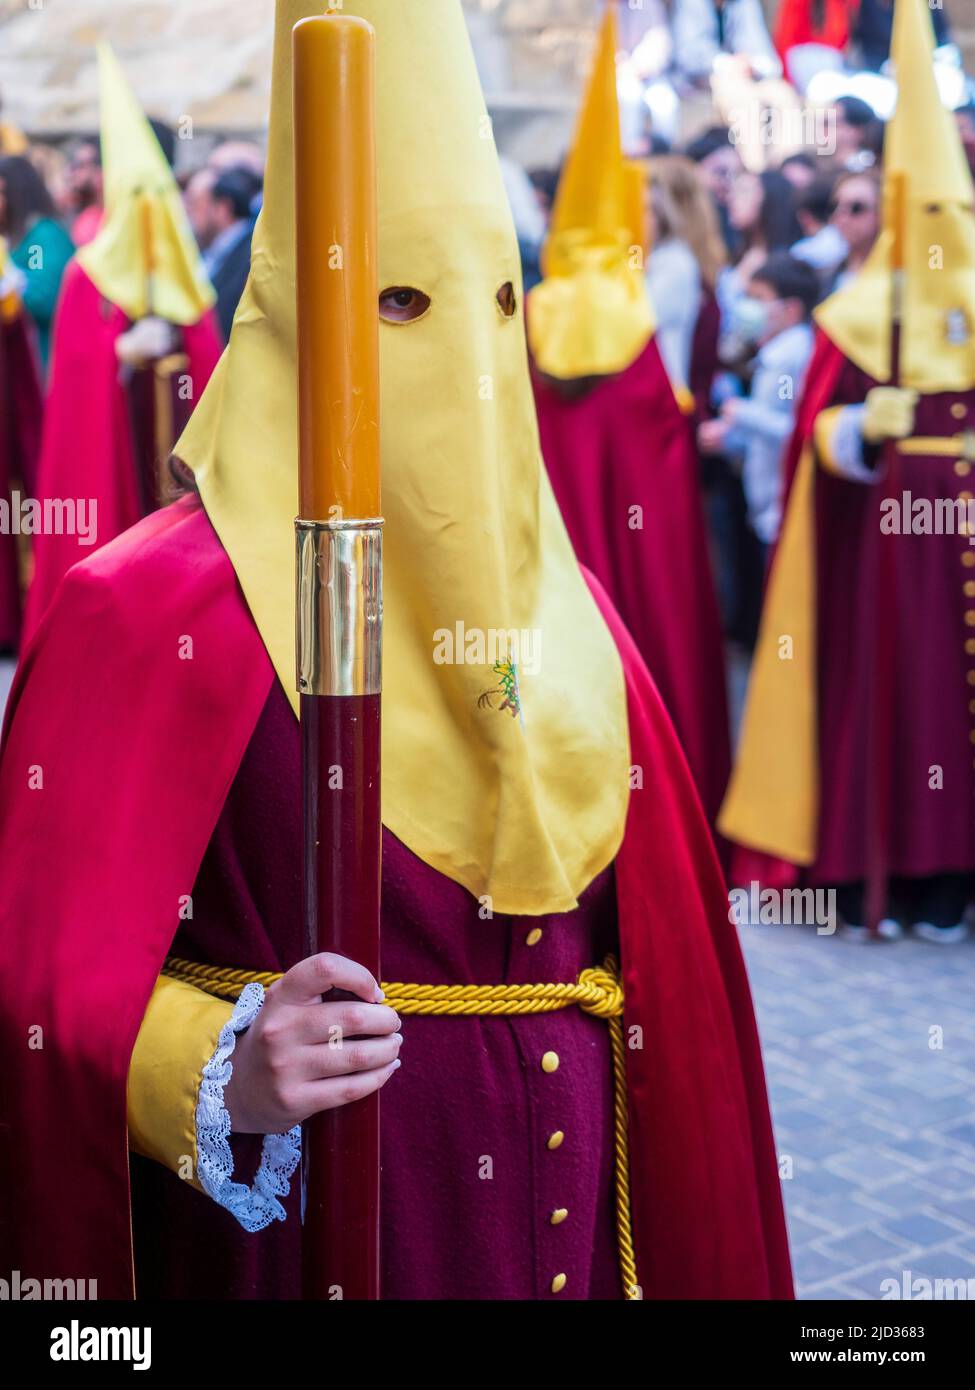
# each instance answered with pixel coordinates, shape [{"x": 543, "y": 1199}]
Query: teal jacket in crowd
[{"x": 42, "y": 255}]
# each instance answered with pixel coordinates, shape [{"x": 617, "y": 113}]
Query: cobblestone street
[{"x": 870, "y": 1053}]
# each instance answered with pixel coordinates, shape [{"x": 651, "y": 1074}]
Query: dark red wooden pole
[
  {"x": 339, "y": 599},
  {"x": 882, "y": 640},
  {"x": 341, "y": 879}
]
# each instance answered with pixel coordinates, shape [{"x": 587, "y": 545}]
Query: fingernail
[
  {"x": 395, "y": 1064},
  {"x": 380, "y": 996}
]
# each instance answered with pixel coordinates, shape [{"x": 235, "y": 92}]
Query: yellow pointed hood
[
  {"x": 144, "y": 258},
  {"x": 521, "y": 800},
  {"x": 923, "y": 157},
  {"x": 591, "y": 316}
]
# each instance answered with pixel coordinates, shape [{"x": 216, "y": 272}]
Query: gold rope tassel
[
  {"x": 621, "y": 1166},
  {"x": 597, "y": 991}
]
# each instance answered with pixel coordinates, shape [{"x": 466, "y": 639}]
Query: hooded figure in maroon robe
[
  {"x": 617, "y": 445},
  {"x": 134, "y": 343},
  {"x": 857, "y": 758},
  {"x": 149, "y": 824}
]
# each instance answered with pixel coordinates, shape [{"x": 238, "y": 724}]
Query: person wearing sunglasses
[{"x": 855, "y": 213}]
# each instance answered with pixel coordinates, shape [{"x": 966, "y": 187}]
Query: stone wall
[{"x": 208, "y": 59}]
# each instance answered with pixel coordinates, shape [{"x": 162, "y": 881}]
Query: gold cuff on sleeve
[
  {"x": 824, "y": 429},
  {"x": 177, "y": 1038}
]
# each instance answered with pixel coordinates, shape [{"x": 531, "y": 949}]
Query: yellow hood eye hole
[
  {"x": 402, "y": 304},
  {"x": 507, "y": 300}
]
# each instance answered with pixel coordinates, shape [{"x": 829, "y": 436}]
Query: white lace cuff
[{"x": 257, "y": 1206}]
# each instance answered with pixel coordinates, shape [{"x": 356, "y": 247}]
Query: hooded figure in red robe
[
  {"x": 20, "y": 428},
  {"x": 538, "y": 818},
  {"x": 134, "y": 343},
  {"x": 617, "y": 445},
  {"x": 857, "y": 757}
]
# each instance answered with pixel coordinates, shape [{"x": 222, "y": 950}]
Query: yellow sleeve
[
  {"x": 177, "y": 1038},
  {"x": 824, "y": 430}
]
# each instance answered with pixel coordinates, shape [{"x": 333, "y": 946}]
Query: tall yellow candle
[{"x": 337, "y": 273}]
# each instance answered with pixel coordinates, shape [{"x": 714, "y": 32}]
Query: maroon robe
[
  {"x": 930, "y": 683},
  {"x": 705, "y": 360},
  {"x": 451, "y": 1109},
  {"x": 20, "y": 428},
  {"x": 625, "y": 444},
  {"x": 156, "y": 783}
]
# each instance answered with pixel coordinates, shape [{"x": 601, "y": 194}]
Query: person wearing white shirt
[
  {"x": 673, "y": 284},
  {"x": 775, "y": 315},
  {"x": 702, "y": 29}
]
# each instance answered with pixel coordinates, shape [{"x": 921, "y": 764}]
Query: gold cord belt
[
  {"x": 942, "y": 446},
  {"x": 596, "y": 991}
]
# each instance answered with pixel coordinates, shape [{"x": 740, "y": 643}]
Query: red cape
[
  {"x": 20, "y": 429},
  {"x": 137, "y": 756},
  {"x": 623, "y": 445},
  {"x": 87, "y": 448}
]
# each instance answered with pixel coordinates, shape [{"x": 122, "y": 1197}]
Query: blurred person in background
[
  {"x": 198, "y": 201},
  {"x": 644, "y": 34},
  {"x": 720, "y": 482},
  {"x": 718, "y": 166},
  {"x": 673, "y": 283},
  {"x": 219, "y": 206},
  {"x": 756, "y": 428},
  {"x": 700, "y": 233},
  {"x": 85, "y": 189},
  {"x": 857, "y": 133},
  {"x": 39, "y": 245},
  {"x": 703, "y": 30},
  {"x": 822, "y": 244},
  {"x": 855, "y": 214},
  {"x": 762, "y": 211}
]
